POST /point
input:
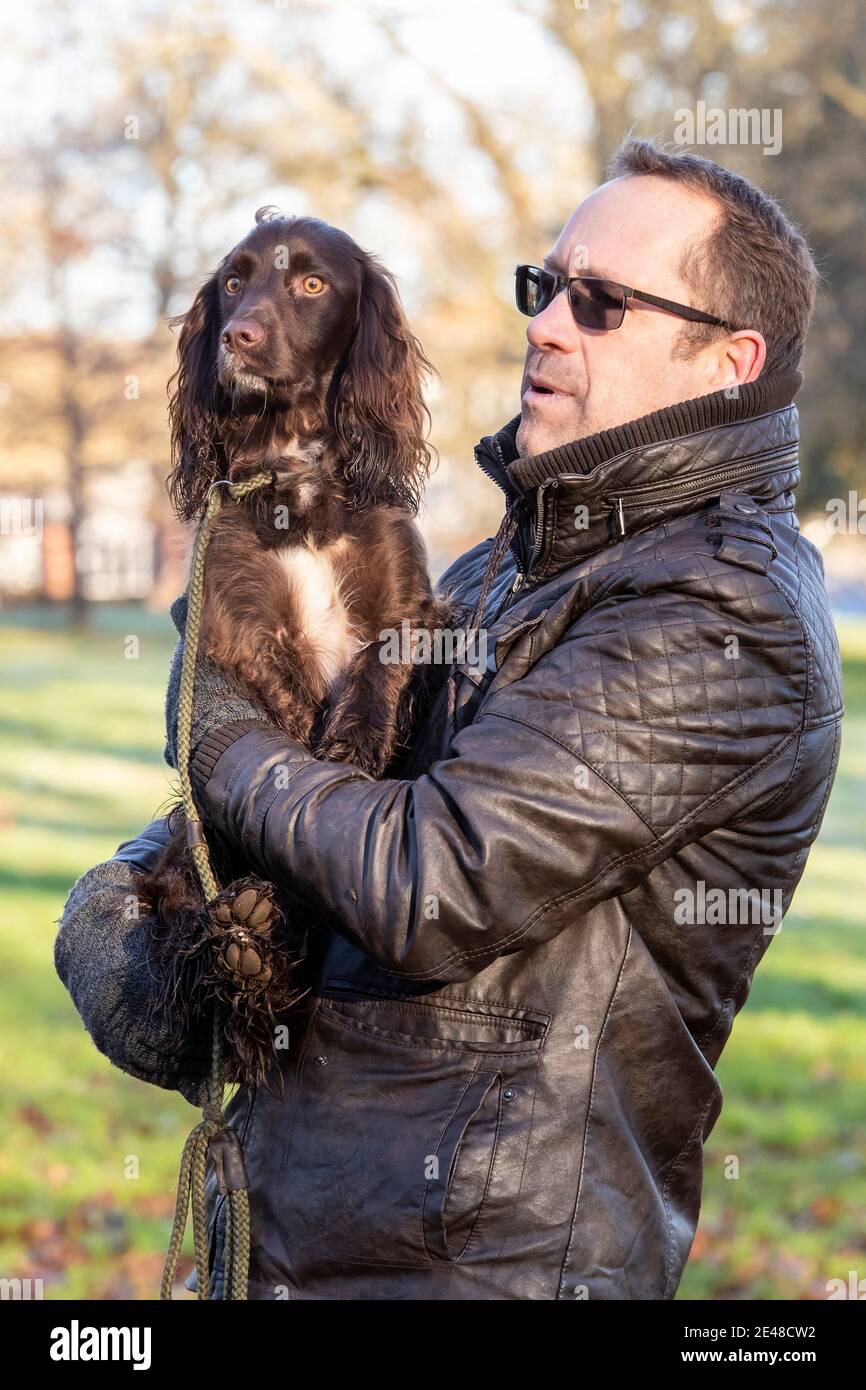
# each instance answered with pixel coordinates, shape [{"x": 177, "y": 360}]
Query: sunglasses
[{"x": 595, "y": 303}]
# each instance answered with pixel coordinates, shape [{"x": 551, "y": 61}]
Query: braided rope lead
[{"x": 193, "y": 1163}]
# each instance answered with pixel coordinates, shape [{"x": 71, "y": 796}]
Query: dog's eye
[
  {"x": 233, "y": 284},
  {"x": 313, "y": 284}
]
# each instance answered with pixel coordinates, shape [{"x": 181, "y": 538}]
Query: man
[{"x": 542, "y": 929}]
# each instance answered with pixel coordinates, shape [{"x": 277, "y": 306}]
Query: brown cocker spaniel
[{"x": 295, "y": 358}]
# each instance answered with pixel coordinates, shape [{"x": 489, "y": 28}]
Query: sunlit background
[{"x": 451, "y": 140}]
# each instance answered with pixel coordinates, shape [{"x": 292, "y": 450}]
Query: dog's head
[{"x": 298, "y": 318}]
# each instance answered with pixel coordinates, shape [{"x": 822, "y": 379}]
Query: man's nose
[
  {"x": 554, "y": 327},
  {"x": 242, "y": 333}
]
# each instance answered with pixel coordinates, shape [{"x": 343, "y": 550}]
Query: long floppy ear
[
  {"x": 380, "y": 413},
  {"x": 192, "y": 407}
]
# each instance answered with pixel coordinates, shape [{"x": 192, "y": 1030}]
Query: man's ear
[{"x": 740, "y": 358}]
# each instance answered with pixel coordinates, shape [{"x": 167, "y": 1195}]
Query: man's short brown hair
[{"x": 754, "y": 269}]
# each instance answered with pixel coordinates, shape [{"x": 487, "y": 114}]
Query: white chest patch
[{"x": 319, "y": 602}]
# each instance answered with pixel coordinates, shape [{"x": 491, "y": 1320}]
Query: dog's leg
[{"x": 367, "y": 719}]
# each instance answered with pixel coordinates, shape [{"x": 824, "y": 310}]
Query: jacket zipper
[
  {"x": 369, "y": 994},
  {"x": 511, "y": 497},
  {"x": 640, "y": 496},
  {"x": 696, "y": 483},
  {"x": 491, "y": 473},
  {"x": 357, "y": 991},
  {"x": 553, "y": 484}
]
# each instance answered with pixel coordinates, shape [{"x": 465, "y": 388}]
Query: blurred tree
[
  {"x": 57, "y": 399},
  {"x": 124, "y": 190},
  {"x": 641, "y": 64}
]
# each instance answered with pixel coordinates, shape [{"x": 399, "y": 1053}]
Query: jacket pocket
[
  {"x": 406, "y": 1147},
  {"x": 462, "y": 1168}
]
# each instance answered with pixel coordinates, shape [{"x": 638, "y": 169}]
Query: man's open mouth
[{"x": 536, "y": 389}]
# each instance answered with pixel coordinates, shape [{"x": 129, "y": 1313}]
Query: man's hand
[{"x": 218, "y": 697}]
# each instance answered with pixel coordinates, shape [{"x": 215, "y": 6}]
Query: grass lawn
[{"x": 89, "y": 1159}]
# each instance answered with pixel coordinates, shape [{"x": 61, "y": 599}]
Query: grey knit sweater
[{"x": 100, "y": 947}]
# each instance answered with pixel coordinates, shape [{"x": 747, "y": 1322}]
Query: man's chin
[{"x": 537, "y": 436}]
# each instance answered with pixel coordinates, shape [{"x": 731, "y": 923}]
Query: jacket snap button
[
  {"x": 321, "y": 1061},
  {"x": 509, "y": 1093},
  {"x": 741, "y": 507}
]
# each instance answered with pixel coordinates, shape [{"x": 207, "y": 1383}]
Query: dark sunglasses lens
[
  {"x": 597, "y": 303},
  {"x": 534, "y": 289}
]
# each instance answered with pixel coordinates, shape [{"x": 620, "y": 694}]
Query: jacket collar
[{"x": 592, "y": 492}]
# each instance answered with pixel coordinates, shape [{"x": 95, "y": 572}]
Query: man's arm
[
  {"x": 570, "y": 786},
  {"x": 100, "y": 954}
]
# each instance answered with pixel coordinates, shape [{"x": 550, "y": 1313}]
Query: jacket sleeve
[
  {"x": 100, "y": 954},
  {"x": 567, "y": 788}
]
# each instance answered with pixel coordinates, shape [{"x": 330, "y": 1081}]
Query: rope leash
[{"x": 212, "y": 1137}]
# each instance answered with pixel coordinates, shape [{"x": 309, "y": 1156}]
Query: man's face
[{"x": 633, "y": 230}]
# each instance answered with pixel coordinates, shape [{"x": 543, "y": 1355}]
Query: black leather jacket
[{"x": 541, "y": 933}]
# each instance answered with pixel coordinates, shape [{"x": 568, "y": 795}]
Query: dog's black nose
[{"x": 242, "y": 333}]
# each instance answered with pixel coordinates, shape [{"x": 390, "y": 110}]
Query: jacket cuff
[
  {"x": 144, "y": 849},
  {"x": 211, "y": 748},
  {"x": 258, "y": 763}
]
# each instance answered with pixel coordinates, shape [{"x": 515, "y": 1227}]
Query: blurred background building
[{"x": 452, "y": 140}]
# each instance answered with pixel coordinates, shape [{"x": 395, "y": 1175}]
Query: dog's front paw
[
  {"x": 362, "y": 752},
  {"x": 243, "y": 918}
]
